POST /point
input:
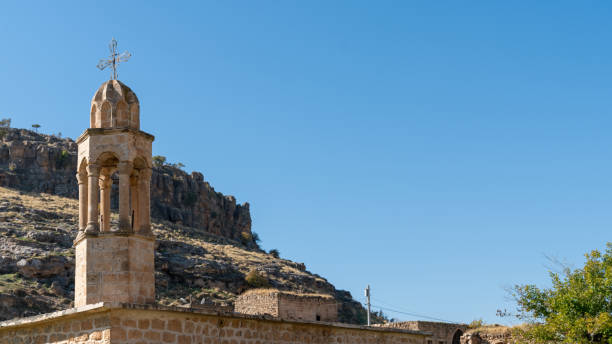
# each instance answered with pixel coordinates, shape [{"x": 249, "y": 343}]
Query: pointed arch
[
  {"x": 135, "y": 116},
  {"x": 93, "y": 115},
  {"x": 140, "y": 163},
  {"x": 457, "y": 337},
  {"x": 122, "y": 114},
  {"x": 105, "y": 116},
  {"x": 82, "y": 169},
  {"x": 107, "y": 159}
]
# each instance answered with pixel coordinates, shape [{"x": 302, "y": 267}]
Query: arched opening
[
  {"x": 108, "y": 191},
  {"x": 122, "y": 115},
  {"x": 135, "y": 116},
  {"x": 92, "y": 116},
  {"x": 457, "y": 337},
  {"x": 135, "y": 193},
  {"x": 82, "y": 166},
  {"x": 105, "y": 120},
  {"x": 83, "y": 193}
]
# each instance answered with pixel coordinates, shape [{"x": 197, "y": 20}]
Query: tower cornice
[{"x": 102, "y": 131}]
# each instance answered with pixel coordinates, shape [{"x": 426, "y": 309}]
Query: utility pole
[{"x": 367, "y": 294}]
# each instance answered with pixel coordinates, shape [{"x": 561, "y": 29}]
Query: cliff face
[
  {"x": 189, "y": 200},
  {"x": 44, "y": 163}
]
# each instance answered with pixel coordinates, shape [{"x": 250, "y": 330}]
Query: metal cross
[{"x": 114, "y": 59}]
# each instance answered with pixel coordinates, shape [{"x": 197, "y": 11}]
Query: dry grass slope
[{"x": 37, "y": 261}]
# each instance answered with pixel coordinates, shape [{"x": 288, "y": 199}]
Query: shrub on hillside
[
  {"x": 476, "y": 323},
  {"x": 256, "y": 280}
]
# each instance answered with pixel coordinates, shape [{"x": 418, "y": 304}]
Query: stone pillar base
[{"x": 114, "y": 267}]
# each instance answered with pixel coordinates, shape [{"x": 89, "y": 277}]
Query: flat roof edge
[{"x": 115, "y": 306}]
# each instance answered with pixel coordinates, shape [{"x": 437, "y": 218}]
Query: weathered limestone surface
[
  {"x": 442, "y": 333},
  {"x": 288, "y": 305},
  {"x": 130, "y": 324},
  {"x": 46, "y": 163},
  {"x": 494, "y": 334},
  {"x": 114, "y": 263},
  {"x": 115, "y": 269}
]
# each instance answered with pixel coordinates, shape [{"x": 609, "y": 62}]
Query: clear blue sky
[{"x": 435, "y": 150}]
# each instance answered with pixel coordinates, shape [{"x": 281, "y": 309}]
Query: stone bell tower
[{"x": 114, "y": 259}]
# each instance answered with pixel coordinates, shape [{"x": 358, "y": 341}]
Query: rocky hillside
[
  {"x": 46, "y": 163},
  {"x": 37, "y": 261}
]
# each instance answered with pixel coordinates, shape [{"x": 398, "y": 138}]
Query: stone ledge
[
  {"x": 90, "y": 309},
  {"x": 107, "y": 131},
  {"x": 118, "y": 233},
  {"x": 115, "y": 306}
]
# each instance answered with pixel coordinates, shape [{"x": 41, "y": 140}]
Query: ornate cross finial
[{"x": 114, "y": 59}]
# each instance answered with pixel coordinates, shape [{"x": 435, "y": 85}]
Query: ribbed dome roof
[{"x": 114, "y": 105}]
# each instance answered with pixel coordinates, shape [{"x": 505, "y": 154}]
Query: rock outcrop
[
  {"x": 37, "y": 262},
  {"x": 490, "y": 334},
  {"x": 45, "y": 163}
]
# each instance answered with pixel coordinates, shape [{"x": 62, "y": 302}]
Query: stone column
[
  {"x": 106, "y": 183},
  {"x": 93, "y": 174},
  {"x": 135, "y": 213},
  {"x": 144, "y": 207},
  {"x": 82, "y": 180},
  {"x": 125, "y": 169}
]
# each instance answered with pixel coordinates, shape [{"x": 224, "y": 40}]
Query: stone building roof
[{"x": 114, "y": 105}]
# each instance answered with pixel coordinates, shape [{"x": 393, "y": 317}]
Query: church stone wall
[
  {"x": 81, "y": 329},
  {"x": 130, "y": 324}
]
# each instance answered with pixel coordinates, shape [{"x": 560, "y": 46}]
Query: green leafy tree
[
  {"x": 576, "y": 309},
  {"x": 36, "y": 126},
  {"x": 159, "y": 160},
  {"x": 476, "y": 323},
  {"x": 4, "y": 124},
  {"x": 274, "y": 253}
]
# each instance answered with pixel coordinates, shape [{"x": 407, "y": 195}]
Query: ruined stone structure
[
  {"x": 287, "y": 305},
  {"x": 441, "y": 333},
  {"x": 114, "y": 273},
  {"x": 114, "y": 264}
]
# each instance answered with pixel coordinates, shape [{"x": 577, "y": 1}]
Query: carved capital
[
  {"x": 107, "y": 171},
  {"x": 93, "y": 169},
  {"x": 105, "y": 182},
  {"x": 81, "y": 177}
]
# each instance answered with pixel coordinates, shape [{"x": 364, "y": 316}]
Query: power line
[
  {"x": 409, "y": 313},
  {"x": 413, "y": 314}
]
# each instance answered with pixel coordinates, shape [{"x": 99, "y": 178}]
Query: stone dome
[{"x": 115, "y": 106}]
